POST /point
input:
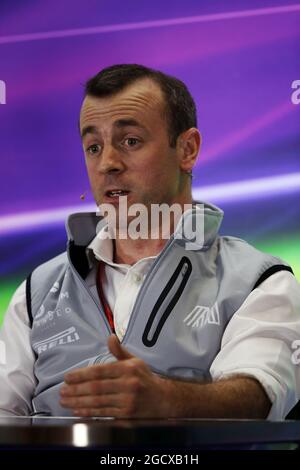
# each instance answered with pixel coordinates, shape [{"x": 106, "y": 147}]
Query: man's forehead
[{"x": 135, "y": 101}]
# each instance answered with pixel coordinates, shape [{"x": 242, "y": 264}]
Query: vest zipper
[
  {"x": 146, "y": 282},
  {"x": 145, "y": 285}
]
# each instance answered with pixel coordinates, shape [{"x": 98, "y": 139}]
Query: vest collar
[{"x": 82, "y": 227}]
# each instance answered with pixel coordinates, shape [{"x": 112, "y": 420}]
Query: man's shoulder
[
  {"x": 246, "y": 255},
  {"x": 58, "y": 262},
  {"x": 239, "y": 246}
]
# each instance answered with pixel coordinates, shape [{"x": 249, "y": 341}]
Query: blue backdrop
[{"x": 239, "y": 60}]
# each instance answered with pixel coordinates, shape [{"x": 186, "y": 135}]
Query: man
[{"x": 201, "y": 332}]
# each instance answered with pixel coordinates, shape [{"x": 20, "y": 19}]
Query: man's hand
[
  {"x": 128, "y": 389},
  {"x": 125, "y": 388}
]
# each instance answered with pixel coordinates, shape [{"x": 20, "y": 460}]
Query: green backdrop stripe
[{"x": 287, "y": 248}]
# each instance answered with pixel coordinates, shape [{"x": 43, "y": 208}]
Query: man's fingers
[
  {"x": 117, "y": 349},
  {"x": 94, "y": 387},
  {"x": 102, "y": 371},
  {"x": 99, "y": 371},
  {"x": 92, "y": 401}
]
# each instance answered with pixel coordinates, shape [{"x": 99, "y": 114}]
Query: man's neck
[{"x": 129, "y": 251}]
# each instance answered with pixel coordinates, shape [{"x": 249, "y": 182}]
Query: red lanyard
[{"x": 106, "y": 307}]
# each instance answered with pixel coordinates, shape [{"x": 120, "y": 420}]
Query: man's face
[{"x": 126, "y": 144}]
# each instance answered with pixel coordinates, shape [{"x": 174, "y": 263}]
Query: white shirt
[
  {"x": 256, "y": 343},
  {"x": 120, "y": 282}
]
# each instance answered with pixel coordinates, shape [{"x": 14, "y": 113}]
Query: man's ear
[{"x": 189, "y": 143}]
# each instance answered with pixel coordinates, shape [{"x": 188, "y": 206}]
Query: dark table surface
[{"x": 111, "y": 434}]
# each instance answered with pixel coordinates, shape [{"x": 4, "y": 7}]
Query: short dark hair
[{"x": 180, "y": 108}]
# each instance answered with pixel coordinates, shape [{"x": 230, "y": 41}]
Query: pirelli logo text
[{"x": 65, "y": 337}]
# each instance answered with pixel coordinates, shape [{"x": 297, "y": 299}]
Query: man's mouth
[{"x": 116, "y": 193}]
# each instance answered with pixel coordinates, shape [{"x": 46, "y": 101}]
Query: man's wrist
[{"x": 171, "y": 397}]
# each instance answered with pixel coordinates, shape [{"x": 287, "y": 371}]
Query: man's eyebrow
[
  {"x": 88, "y": 130},
  {"x": 120, "y": 123},
  {"x": 128, "y": 122}
]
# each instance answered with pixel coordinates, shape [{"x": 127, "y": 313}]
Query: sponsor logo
[
  {"x": 201, "y": 316},
  {"x": 55, "y": 287},
  {"x": 44, "y": 316},
  {"x": 64, "y": 295},
  {"x": 295, "y": 97},
  {"x": 41, "y": 312},
  {"x": 65, "y": 337}
]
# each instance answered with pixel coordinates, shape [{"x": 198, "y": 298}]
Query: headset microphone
[{"x": 82, "y": 196}]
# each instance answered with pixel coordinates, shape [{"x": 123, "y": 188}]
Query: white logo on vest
[
  {"x": 65, "y": 337},
  {"x": 44, "y": 317},
  {"x": 55, "y": 287},
  {"x": 201, "y": 316}
]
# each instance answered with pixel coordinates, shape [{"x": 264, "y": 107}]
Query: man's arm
[
  {"x": 258, "y": 342},
  {"x": 17, "y": 381},
  {"x": 234, "y": 398},
  {"x": 128, "y": 388},
  {"x": 253, "y": 368}
]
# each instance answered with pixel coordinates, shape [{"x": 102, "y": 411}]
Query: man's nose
[{"x": 110, "y": 160}]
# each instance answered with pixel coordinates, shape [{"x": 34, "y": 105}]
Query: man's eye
[
  {"x": 93, "y": 149},
  {"x": 131, "y": 141}
]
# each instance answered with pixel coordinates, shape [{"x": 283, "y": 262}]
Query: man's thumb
[{"x": 117, "y": 349}]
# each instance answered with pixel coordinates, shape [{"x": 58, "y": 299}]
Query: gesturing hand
[{"x": 125, "y": 388}]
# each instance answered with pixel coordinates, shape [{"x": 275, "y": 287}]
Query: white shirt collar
[{"x": 102, "y": 248}]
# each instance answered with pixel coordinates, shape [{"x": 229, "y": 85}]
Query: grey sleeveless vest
[{"x": 178, "y": 320}]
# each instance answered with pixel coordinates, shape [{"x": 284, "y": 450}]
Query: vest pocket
[{"x": 155, "y": 322}]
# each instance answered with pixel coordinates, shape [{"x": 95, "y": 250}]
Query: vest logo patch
[
  {"x": 41, "y": 312},
  {"x": 65, "y": 337},
  {"x": 44, "y": 316},
  {"x": 201, "y": 316},
  {"x": 55, "y": 287}
]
